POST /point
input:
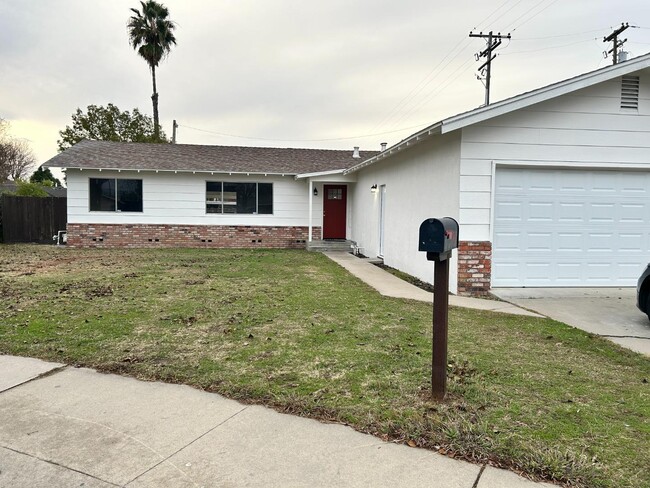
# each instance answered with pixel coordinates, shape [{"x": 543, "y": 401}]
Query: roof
[
  {"x": 510, "y": 105},
  {"x": 189, "y": 157}
]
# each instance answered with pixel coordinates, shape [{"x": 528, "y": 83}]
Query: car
[{"x": 643, "y": 292}]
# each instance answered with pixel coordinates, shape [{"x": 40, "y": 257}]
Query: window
[
  {"x": 335, "y": 194},
  {"x": 115, "y": 195},
  {"x": 223, "y": 197}
]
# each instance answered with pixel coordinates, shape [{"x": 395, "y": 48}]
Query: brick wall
[
  {"x": 474, "y": 267},
  {"x": 218, "y": 236}
]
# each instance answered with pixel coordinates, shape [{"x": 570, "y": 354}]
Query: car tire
[{"x": 647, "y": 306}]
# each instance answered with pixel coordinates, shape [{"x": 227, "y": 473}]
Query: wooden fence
[{"x": 31, "y": 219}]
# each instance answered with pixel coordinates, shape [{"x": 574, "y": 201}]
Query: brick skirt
[
  {"x": 217, "y": 236},
  {"x": 474, "y": 267}
]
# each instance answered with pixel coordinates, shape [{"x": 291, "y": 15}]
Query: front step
[{"x": 330, "y": 245}]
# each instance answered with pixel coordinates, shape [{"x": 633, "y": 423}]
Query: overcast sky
[{"x": 289, "y": 73}]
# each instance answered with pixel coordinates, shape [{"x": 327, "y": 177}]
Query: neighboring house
[
  {"x": 550, "y": 188},
  {"x": 53, "y": 191}
]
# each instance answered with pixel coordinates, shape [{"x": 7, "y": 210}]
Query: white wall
[
  {"x": 585, "y": 129},
  {"x": 421, "y": 182},
  {"x": 170, "y": 198}
]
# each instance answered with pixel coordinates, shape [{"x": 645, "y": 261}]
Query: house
[
  {"x": 136, "y": 194},
  {"x": 550, "y": 188}
]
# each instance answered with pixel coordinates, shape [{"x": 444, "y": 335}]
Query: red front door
[{"x": 334, "y": 210}]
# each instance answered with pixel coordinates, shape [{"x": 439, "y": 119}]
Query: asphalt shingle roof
[{"x": 189, "y": 157}]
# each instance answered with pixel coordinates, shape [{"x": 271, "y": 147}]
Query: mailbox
[{"x": 438, "y": 237}]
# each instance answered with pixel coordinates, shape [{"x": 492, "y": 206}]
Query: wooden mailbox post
[{"x": 438, "y": 237}]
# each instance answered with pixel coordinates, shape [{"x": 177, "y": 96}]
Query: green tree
[
  {"x": 44, "y": 177},
  {"x": 26, "y": 189},
  {"x": 151, "y": 33},
  {"x": 109, "y": 124}
]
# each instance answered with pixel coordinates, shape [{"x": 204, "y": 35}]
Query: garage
[{"x": 570, "y": 227}]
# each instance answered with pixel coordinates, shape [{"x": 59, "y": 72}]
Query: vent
[{"x": 630, "y": 92}]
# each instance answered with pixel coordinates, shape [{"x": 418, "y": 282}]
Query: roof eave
[
  {"x": 192, "y": 171},
  {"x": 320, "y": 173}
]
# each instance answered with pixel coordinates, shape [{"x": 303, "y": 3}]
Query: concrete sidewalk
[
  {"x": 391, "y": 286},
  {"x": 64, "y": 427}
]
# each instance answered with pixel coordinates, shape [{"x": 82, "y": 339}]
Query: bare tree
[{"x": 16, "y": 157}]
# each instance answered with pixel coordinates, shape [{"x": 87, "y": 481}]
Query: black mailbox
[{"x": 438, "y": 237}]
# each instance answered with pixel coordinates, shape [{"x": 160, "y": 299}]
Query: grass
[{"x": 294, "y": 331}]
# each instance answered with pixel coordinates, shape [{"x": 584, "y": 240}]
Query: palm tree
[{"x": 152, "y": 34}]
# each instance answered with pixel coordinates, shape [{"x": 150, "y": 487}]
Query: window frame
[
  {"x": 116, "y": 201},
  {"x": 221, "y": 202}
]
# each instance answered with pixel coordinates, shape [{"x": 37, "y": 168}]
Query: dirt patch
[{"x": 99, "y": 291}]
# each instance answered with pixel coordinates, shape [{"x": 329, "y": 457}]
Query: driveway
[{"x": 608, "y": 312}]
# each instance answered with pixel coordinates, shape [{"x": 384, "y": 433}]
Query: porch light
[
  {"x": 373, "y": 188},
  {"x": 315, "y": 191}
]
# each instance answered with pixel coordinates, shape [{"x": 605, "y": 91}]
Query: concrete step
[{"x": 330, "y": 245}]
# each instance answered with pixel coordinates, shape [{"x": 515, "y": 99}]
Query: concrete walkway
[
  {"x": 63, "y": 427},
  {"x": 392, "y": 286}
]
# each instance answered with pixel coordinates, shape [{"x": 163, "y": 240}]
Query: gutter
[{"x": 175, "y": 171}]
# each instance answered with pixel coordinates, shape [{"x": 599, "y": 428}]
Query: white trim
[
  {"x": 188, "y": 171},
  {"x": 311, "y": 207},
  {"x": 321, "y": 173},
  {"x": 382, "y": 221},
  {"x": 493, "y": 189},
  {"x": 574, "y": 165}
]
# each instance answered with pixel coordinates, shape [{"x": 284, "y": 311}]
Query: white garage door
[{"x": 570, "y": 228}]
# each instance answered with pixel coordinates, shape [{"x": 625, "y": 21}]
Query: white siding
[
  {"x": 584, "y": 129},
  {"x": 180, "y": 199},
  {"x": 421, "y": 182}
]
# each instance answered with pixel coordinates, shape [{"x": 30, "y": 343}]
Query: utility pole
[
  {"x": 613, "y": 38},
  {"x": 174, "y": 127},
  {"x": 493, "y": 41}
]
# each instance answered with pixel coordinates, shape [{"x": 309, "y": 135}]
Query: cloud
[{"x": 288, "y": 69}]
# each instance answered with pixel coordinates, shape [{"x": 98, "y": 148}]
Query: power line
[
  {"x": 493, "y": 12},
  {"x": 508, "y": 11},
  {"x": 561, "y": 35},
  {"x": 444, "y": 84},
  {"x": 223, "y": 134},
  {"x": 533, "y": 16},
  {"x": 438, "y": 69},
  {"x": 524, "y": 14},
  {"x": 549, "y": 47},
  {"x": 418, "y": 88},
  {"x": 441, "y": 86}
]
